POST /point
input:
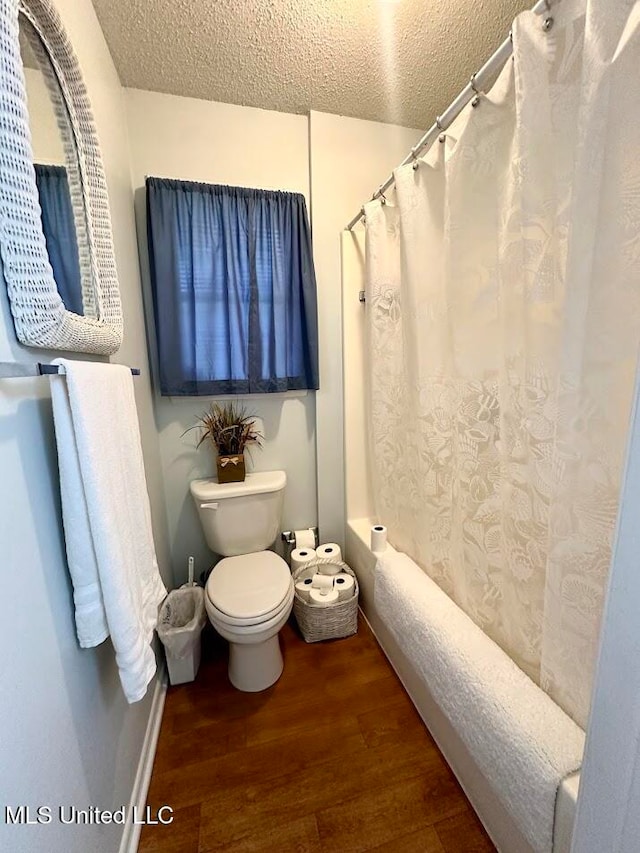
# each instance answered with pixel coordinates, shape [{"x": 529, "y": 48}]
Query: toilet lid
[{"x": 249, "y": 586}]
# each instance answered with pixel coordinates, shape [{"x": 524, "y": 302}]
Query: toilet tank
[{"x": 240, "y": 518}]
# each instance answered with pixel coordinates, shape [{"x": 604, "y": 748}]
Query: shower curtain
[{"x": 503, "y": 316}]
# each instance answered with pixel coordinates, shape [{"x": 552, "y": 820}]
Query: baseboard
[{"x": 131, "y": 832}]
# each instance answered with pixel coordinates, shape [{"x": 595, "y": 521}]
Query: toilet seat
[
  {"x": 243, "y": 632},
  {"x": 249, "y": 590}
]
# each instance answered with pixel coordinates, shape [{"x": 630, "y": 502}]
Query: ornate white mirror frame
[{"x": 40, "y": 317}]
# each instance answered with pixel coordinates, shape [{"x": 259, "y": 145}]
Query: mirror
[
  {"x": 58, "y": 214},
  {"x": 56, "y": 244}
]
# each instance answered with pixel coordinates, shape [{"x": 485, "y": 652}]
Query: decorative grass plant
[{"x": 231, "y": 430}]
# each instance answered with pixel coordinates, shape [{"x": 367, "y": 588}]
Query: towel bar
[{"x": 14, "y": 370}]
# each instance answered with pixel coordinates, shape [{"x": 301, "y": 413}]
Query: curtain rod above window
[
  {"x": 470, "y": 91},
  {"x": 216, "y": 188}
]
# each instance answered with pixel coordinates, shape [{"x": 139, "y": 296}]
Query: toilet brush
[{"x": 191, "y": 568}]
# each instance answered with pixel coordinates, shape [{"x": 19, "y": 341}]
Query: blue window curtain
[
  {"x": 60, "y": 233},
  {"x": 234, "y": 289}
]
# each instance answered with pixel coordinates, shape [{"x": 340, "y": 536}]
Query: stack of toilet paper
[{"x": 323, "y": 584}]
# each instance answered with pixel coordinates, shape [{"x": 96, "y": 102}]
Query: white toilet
[{"x": 249, "y": 594}]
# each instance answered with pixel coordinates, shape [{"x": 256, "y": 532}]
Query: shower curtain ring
[
  {"x": 439, "y": 123},
  {"x": 476, "y": 92}
]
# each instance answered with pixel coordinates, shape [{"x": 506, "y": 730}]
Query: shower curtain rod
[{"x": 473, "y": 87}]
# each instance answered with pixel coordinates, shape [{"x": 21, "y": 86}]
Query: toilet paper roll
[
  {"x": 329, "y": 551},
  {"x": 303, "y": 588},
  {"x": 305, "y": 538},
  {"x": 323, "y": 582},
  {"x": 325, "y": 598},
  {"x": 301, "y": 556},
  {"x": 378, "y": 537},
  {"x": 344, "y": 585},
  {"x": 307, "y": 572}
]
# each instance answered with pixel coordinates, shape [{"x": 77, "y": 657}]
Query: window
[
  {"x": 59, "y": 230},
  {"x": 234, "y": 289}
]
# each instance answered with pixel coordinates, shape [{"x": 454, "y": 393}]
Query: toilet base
[{"x": 255, "y": 666}]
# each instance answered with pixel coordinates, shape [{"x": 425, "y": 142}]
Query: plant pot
[{"x": 231, "y": 468}]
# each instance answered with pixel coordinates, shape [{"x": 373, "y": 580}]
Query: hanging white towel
[{"x": 107, "y": 521}]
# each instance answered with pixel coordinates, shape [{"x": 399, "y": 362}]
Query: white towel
[
  {"x": 523, "y": 743},
  {"x": 107, "y": 521}
]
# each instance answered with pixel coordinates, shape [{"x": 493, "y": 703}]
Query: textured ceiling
[{"x": 399, "y": 61}]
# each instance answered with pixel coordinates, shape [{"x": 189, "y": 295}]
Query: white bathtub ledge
[
  {"x": 487, "y": 802},
  {"x": 521, "y": 740}
]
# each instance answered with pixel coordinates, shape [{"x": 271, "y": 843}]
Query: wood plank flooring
[{"x": 332, "y": 758}]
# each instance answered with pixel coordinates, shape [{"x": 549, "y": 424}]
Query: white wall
[
  {"x": 608, "y": 817},
  {"x": 358, "y": 491},
  {"x": 189, "y": 139},
  {"x": 45, "y": 136},
  {"x": 350, "y": 158},
  {"x": 338, "y": 161},
  {"x": 67, "y": 735}
]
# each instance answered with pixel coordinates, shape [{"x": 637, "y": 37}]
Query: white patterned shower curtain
[{"x": 503, "y": 305}]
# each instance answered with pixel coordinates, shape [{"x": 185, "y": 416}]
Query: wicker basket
[{"x": 318, "y": 623}]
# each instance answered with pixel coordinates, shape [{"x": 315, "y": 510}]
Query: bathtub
[{"x": 487, "y": 803}]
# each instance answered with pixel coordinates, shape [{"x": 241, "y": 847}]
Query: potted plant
[{"x": 231, "y": 430}]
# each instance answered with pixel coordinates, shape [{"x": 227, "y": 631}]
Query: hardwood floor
[{"x": 332, "y": 758}]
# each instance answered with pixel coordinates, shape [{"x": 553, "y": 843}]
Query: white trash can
[{"x": 180, "y": 622}]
